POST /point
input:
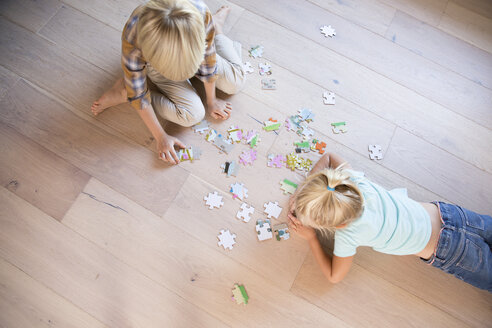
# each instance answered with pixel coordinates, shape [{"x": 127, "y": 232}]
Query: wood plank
[
  {"x": 205, "y": 224},
  {"x": 86, "y": 37},
  {"x": 89, "y": 277},
  {"x": 31, "y": 14},
  {"x": 461, "y": 300},
  {"x": 429, "y": 11},
  {"x": 7, "y": 80},
  {"x": 467, "y": 25},
  {"x": 370, "y": 14},
  {"x": 126, "y": 167},
  {"x": 106, "y": 11},
  {"x": 441, "y": 172},
  {"x": 37, "y": 175},
  {"x": 482, "y": 7},
  {"x": 369, "y": 90},
  {"x": 24, "y": 302},
  {"x": 450, "y": 52},
  {"x": 412, "y": 71},
  {"x": 379, "y": 303},
  {"x": 201, "y": 272}
]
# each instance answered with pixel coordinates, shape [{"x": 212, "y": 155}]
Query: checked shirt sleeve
[
  {"x": 207, "y": 72},
  {"x": 134, "y": 67}
]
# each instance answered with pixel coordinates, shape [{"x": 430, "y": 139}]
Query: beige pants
[{"x": 178, "y": 102}]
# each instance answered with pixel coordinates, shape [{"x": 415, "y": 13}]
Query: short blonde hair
[
  {"x": 324, "y": 209},
  {"x": 171, "y": 35}
]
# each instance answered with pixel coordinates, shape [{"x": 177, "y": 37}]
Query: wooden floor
[{"x": 95, "y": 231}]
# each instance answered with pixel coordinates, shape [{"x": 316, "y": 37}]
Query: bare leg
[
  {"x": 113, "y": 96},
  {"x": 219, "y": 18}
]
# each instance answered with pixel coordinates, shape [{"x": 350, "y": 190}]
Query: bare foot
[
  {"x": 114, "y": 96},
  {"x": 220, "y": 17}
]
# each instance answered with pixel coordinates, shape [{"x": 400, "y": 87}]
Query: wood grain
[
  {"x": 450, "y": 52},
  {"x": 24, "y": 302},
  {"x": 37, "y": 175},
  {"x": 467, "y": 25},
  {"x": 429, "y": 11},
  {"x": 91, "y": 278},
  {"x": 30, "y": 14}
]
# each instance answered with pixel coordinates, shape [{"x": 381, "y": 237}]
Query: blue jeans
[{"x": 464, "y": 246}]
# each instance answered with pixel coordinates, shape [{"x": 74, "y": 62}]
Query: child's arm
[
  {"x": 334, "y": 269},
  {"x": 218, "y": 108},
  {"x": 328, "y": 160}
]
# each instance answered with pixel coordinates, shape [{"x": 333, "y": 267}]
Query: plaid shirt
[{"x": 134, "y": 64}]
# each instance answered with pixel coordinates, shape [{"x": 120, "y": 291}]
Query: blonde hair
[
  {"x": 325, "y": 209},
  {"x": 171, "y": 35}
]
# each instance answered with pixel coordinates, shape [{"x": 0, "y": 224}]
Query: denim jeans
[{"x": 464, "y": 246}]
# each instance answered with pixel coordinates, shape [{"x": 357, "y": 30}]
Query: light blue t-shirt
[{"x": 390, "y": 223}]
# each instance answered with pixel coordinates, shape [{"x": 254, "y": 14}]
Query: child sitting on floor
[
  {"x": 170, "y": 41},
  {"x": 362, "y": 213}
]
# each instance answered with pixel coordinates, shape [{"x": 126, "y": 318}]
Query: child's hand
[
  {"x": 220, "y": 109},
  {"x": 305, "y": 232},
  {"x": 165, "y": 148}
]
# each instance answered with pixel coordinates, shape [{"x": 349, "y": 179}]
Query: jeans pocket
[
  {"x": 471, "y": 259},
  {"x": 473, "y": 219}
]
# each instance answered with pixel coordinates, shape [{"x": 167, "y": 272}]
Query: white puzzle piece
[
  {"x": 245, "y": 212},
  {"x": 375, "y": 152},
  {"x": 201, "y": 127},
  {"x": 265, "y": 69},
  {"x": 213, "y": 200},
  {"x": 239, "y": 191},
  {"x": 272, "y": 210},
  {"x": 328, "y": 98},
  {"x": 327, "y": 31},
  {"x": 268, "y": 84},
  {"x": 226, "y": 239},
  {"x": 263, "y": 230},
  {"x": 248, "y": 68}
]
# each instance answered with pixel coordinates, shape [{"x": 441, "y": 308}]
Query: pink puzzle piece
[
  {"x": 276, "y": 160},
  {"x": 247, "y": 157}
]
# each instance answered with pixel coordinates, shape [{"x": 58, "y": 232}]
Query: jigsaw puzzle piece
[
  {"x": 272, "y": 210},
  {"x": 226, "y": 239},
  {"x": 328, "y": 98},
  {"x": 245, "y": 212},
  {"x": 268, "y": 84},
  {"x": 263, "y": 230},
  {"x": 375, "y": 152},
  {"x": 281, "y": 231},
  {"x": 288, "y": 186},
  {"x": 213, "y": 200}
]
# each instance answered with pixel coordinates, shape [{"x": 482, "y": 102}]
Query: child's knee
[{"x": 193, "y": 115}]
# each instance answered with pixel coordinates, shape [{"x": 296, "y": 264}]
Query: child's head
[
  {"x": 171, "y": 35},
  {"x": 328, "y": 199}
]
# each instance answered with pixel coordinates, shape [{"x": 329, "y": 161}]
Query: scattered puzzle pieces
[
  {"x": 268, "y": 84},
  {"x": 288, "y": 186},
  {"x": 304, "y": 146},
  {"x": 339, "y": 127},
  {"x": 276, "y": 160},
  {"x": 263, "y": 230},
  {"x": 248, "y": 68},
  {"x": 327, "y": 31},
  {"x": 247, "y": 157},
  {"x": 245, "y": 212},
  {"x": 281, "y": 231},
  {"x": 318, "y": 146},
  {"x": 239, "y": 191},
  {"x": 230, "y": 168},
  {"x": 294, "y": 161},
  {"x": 189, "y": 154},
  {"x": 223, "y": 144},
  {"x": 252, "y": 138},
  {"x": 226, "y": 239},
  {"x": 265, "y": 69},
  {"x": 305, "y": 114},
  {"x": 328, "y": 98},
  {"x": 375, "y": 152},
  {"x": 256, "y": 52},
  {"x": 213, "y": 200},
  {"x": 305, "y": 131},
  {"x": 239, "y": 294},
  {"x": 271, "y": 125},
  {"x": 235, "y": 134},
  {"x": 272, "y": 210},
  {"x": 201, "y": 127}
]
